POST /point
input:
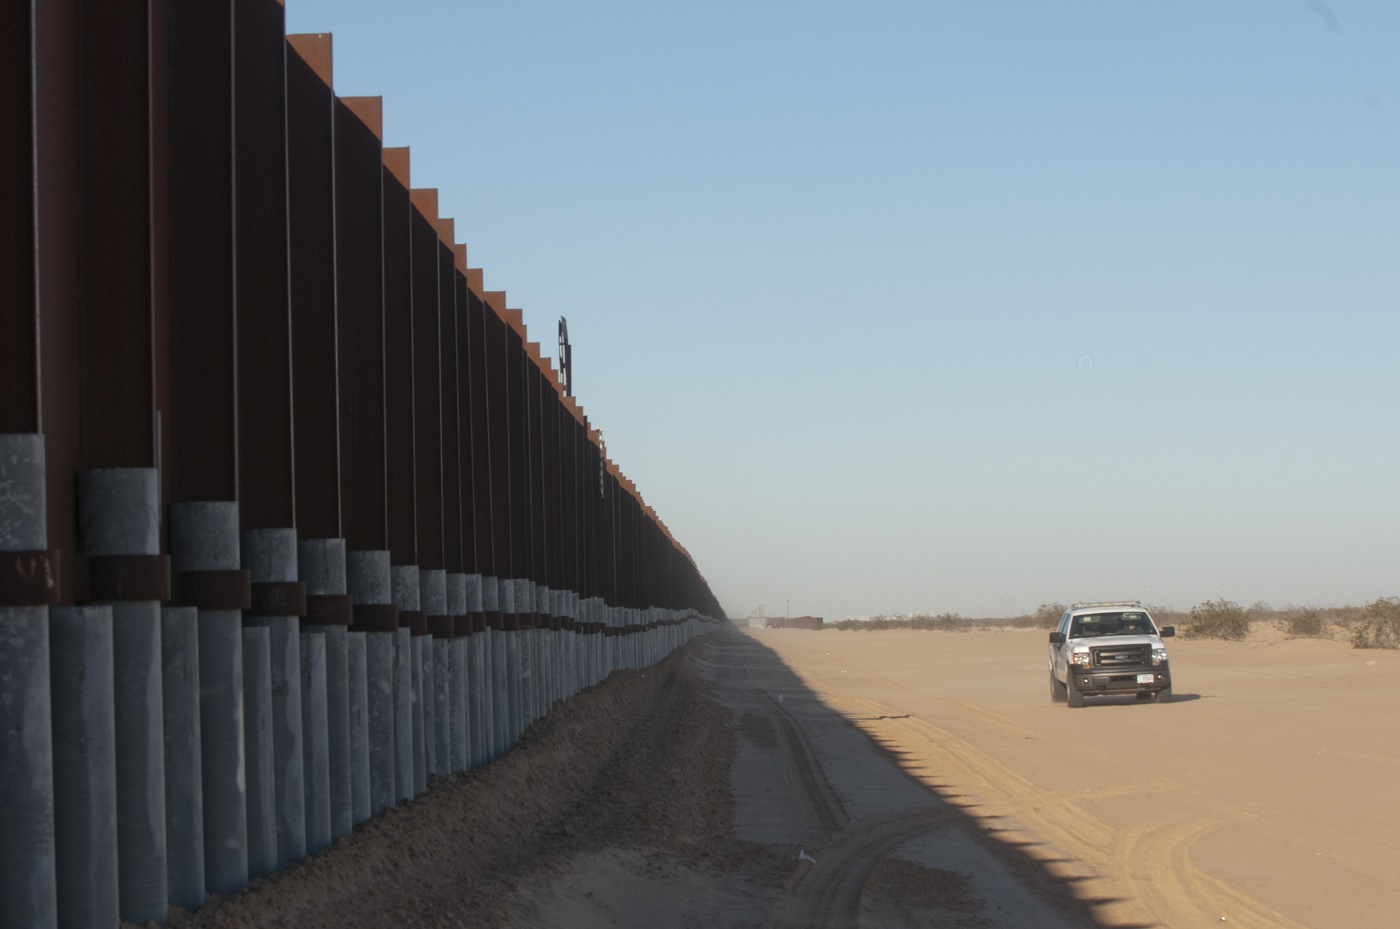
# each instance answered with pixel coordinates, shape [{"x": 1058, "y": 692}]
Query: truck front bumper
[{"x": 1091, "y": 682}]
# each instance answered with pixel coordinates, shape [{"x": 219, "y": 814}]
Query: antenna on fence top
[{"x": 566, "y": 358}]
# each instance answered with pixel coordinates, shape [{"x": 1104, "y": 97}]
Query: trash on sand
[{"x": 803, "y": 856}]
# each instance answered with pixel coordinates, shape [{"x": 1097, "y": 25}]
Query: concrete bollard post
[
  {"x": 119, "y": 515},
  {"x": 316, "y": 763},
  {"x": 440, "y": 698},
  {"x": 514, "y": 695},
  {"x": 525, "y": 686},
  {"x": 423, "y": 697},
  {"x": 600, "y": 641},
  {"x": 437, "y": 721},
  {"x": 571, "y": 644},
  {"x": 408, "y": 681},
  {"x": 590, "y": 643},
  {"x": 184, "y": 792},
  {"x": 552, "y": 624},
  {"x": 535, "y": 662},
  {"x": 204, "y": 539},
  {"x": 257, "y": 745},
  {"x": 27, "y": 877},
  {"x": 609, "y": 646},
  {"x": 586, "y": 644},
  {"x": 370, "y": 588},
  {"x": 544, "y": 632},
  {"x": 271, "y": 557},
  {"x": 357, "y": 676},
  {"x": 478, "y": 675},
  {"x": 460, "y": 737},
  {"x": 497, "y": 696},
  {"x": 338, "y": 729},
  {"x": 84, "y": 766},
  {"x": 322, "y": 564}
]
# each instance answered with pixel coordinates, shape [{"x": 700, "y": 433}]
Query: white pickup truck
[{"x": 1106, "y": 649}]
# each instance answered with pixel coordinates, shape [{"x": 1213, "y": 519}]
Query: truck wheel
[
  {"x": 1076, "y": 699},
  {"x": 1057, "y": 690},
  {"x": 1165, "y": 694}
]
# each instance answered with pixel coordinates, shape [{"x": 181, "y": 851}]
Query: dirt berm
[{"x": 639, "y": 766}]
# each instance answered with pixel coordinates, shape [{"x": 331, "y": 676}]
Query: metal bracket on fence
[
  {"x": 284, "y": 598},
  {"x": 330, "y": 610},
  {"x": 29, "y": 578},
  {"x": 217, "y": 590},
  {"x": 375, "y": 617},
  {"x": 127, "y": 578}
]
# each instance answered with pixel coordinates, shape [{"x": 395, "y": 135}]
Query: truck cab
[{"x": 1109, "y": 648}]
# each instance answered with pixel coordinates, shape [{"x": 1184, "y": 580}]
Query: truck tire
[
  {"x": 1165, "y": 694},
  {"x": 1076, "y": 699},
  {"x": 1057, "y": 690}
]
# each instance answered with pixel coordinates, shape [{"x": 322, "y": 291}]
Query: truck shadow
[{"x": 1130, "y": 700}]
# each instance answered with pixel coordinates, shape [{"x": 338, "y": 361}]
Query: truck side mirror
[
  {"x": 1168, "y": 631},
  {"x": 1058, "y": 638}
]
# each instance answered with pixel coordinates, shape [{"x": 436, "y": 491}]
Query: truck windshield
[{"x": 1095, "y": 624}]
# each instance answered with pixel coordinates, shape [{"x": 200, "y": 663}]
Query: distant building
[
  {"x": 795, "y": 622},
  {"x": 754, "y": 619}
]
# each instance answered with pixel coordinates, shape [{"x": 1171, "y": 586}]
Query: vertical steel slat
[
  {"x": 359, "y": 258},
  {"x": 498, "y": 397},
  {"x": 19, "y": 321},
  {"x": 58, "y": 275},
  {"x": 518, "y": 438},
  {"x": 534, "y": 434},
  {"x": 114, "y": 235},
  {"x": 312, "y": 250},
  {"x": 426, "y": 336},
  {"x": 265, "y": 439},
  {"x": 203, "y": 346},
  {"x": 399, "y": 424},
  {"x": 456, "y": 425},
  {"x": 477, "y": 407}
]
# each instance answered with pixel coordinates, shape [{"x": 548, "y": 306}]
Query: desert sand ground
[
  {"x": 1267, "y": 795},
  {"x": 884, "y": 780}
]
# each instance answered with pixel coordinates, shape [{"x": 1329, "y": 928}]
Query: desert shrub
[
  {"x": 1048, "y": 614},
  {"x": 1306, "y": 624},
  {"x": 1378, "y": 625},
  {"x": 1217, "y": 619},
  {"x": 946, "y": 622}
]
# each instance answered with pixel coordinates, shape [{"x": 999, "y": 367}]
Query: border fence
[{"x": 294, "y": 517}]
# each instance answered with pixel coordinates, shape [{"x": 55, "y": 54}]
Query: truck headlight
[
  {"x": 1081, "y": 659},
  {"x": 1159, "y": 656}
]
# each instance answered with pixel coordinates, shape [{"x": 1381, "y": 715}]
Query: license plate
[{"x": 1146, "y": 678}]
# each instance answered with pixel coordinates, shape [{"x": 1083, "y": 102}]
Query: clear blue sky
[{"x": 950, "y": 306}]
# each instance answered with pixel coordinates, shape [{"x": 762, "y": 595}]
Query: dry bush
[
  {"x": 943, "y": 622},
  {"x": 1306, "y": 624},
  {"x": 1217, "y": 619},
  {"x": 1379, "y": 625},
  {"x": 1047, "y": 615}
]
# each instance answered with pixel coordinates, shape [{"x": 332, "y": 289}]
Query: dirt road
[{"x": 1265, "y": 796}]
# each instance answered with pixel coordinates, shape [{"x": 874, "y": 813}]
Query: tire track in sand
[
  {"x": 1148, "y": 864},
  {"x": 828, "y": 896},
  {"x": 821, "y": 809}
]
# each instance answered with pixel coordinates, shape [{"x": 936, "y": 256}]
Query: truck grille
[{"x": 1122, "y": 656}]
